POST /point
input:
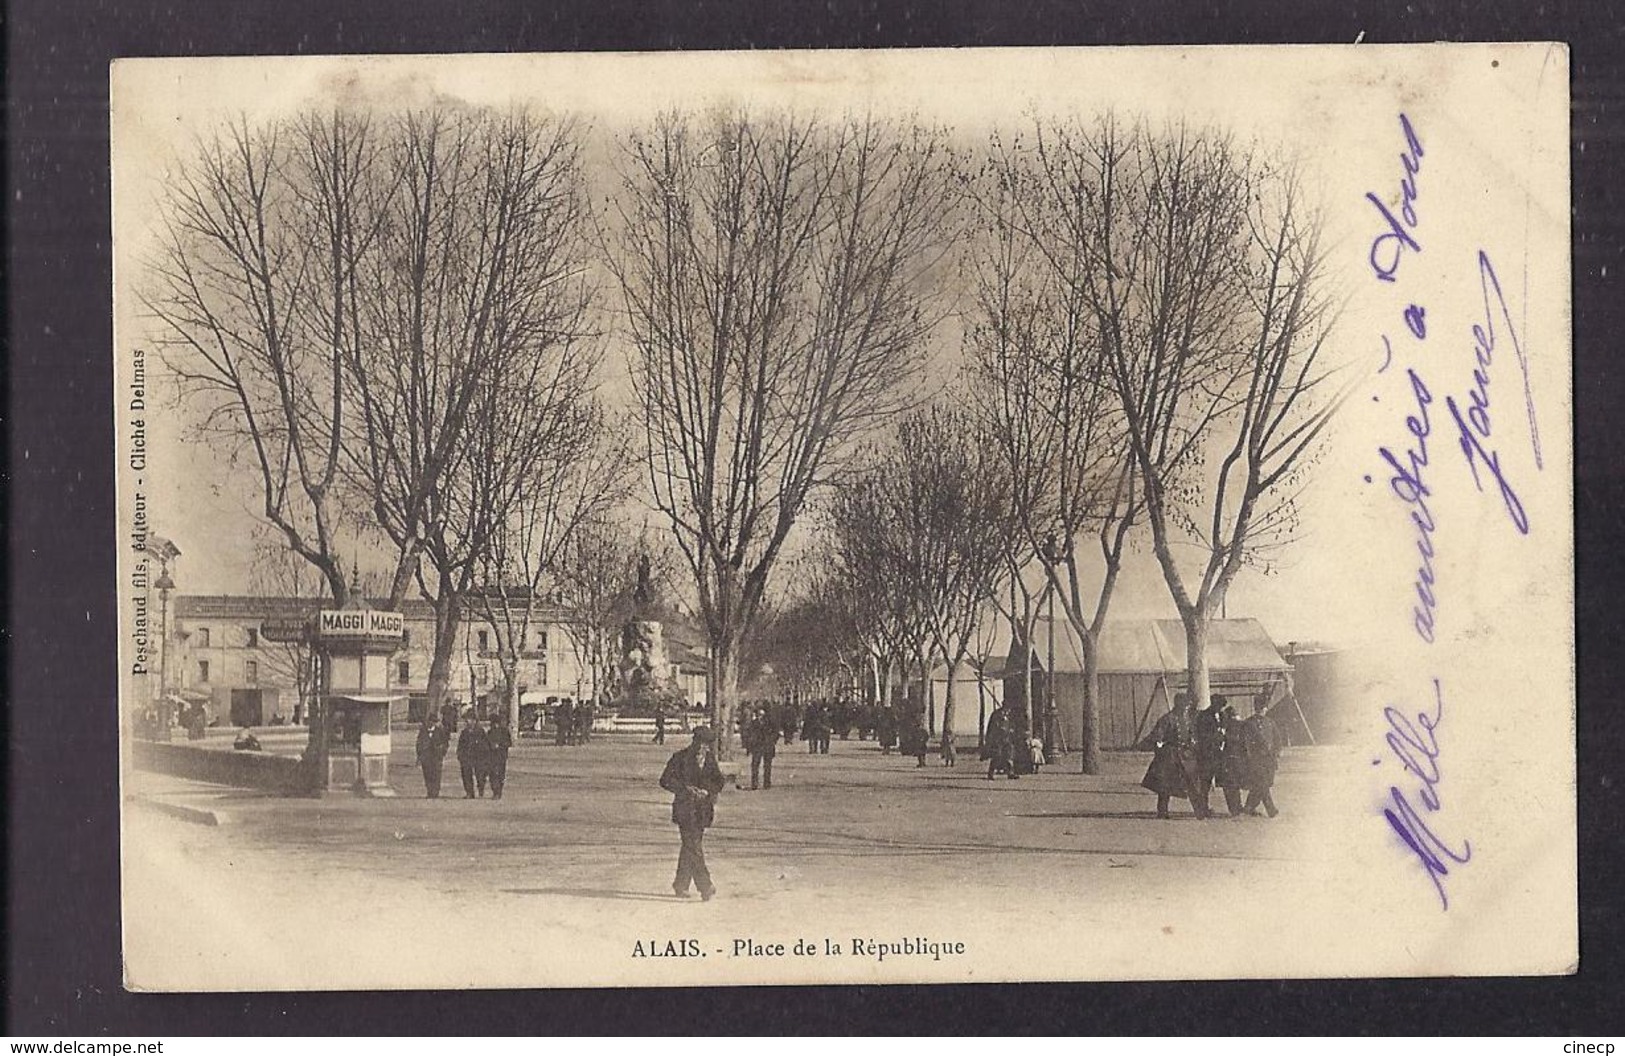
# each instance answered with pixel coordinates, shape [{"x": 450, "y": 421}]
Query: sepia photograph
[{"x": 932, "y": 516}]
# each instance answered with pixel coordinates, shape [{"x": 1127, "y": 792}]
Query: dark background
[{"x": 62, "y": 970}]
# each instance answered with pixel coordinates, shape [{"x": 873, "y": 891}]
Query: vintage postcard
[{"x": 844, "y": 517}]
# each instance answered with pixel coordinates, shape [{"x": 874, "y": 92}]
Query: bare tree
[
  {"x": 474, "y": 317},
  {"x": 253, "y": 294},
  {"x": 954, "y": 512},
  {"x": 1202, "y": 268},
  {"x": 775, "y": 275},
  {"x": 280, "y": 573},
  {"x": 870, "y": 559},
  {"x": 574, "y": 467},
  {"x": 1046, "y": 397}
]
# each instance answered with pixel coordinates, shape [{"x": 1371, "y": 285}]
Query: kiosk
[{"x": 355, "y": 644}]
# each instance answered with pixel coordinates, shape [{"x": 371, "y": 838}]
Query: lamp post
[
  {"x": 1052, "y": 557},
  {"x": 165, "y": 584}
]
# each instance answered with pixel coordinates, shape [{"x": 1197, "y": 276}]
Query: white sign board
[{"x": 360, "y": 623}]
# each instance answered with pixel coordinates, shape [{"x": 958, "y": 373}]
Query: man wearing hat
[{"x": 694, "y": 779}]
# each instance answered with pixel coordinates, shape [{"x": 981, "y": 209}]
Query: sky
[{"x": 1338, "y": 117}]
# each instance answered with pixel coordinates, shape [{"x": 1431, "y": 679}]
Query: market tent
[{"x": 1142, "y": 665}]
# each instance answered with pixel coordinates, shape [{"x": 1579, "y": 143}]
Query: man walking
[
  {"x": 999, "y": 741},
  {"x": 694, "y": 779},
  {"x": 761, "y": 740},
  {"x": 1263, "y": 741},
  {"x": 660, "y": 725},
  {"x": 471, "y": 749},
  {"x": 1232, "y": 774},
  {"x": 433, "y": 740},
  {"x": 1209, "y": 748},
  {"x": 498, "y": 740}
]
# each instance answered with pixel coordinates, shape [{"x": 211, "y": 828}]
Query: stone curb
[{"x": 195, "y": 815}]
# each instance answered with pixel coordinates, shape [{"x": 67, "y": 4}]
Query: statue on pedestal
[{"x": 644, "y": 681}]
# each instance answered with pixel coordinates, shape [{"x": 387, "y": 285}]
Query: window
[
  {"x": 203, "y": 638},
  {"x": 406, "y": 639},
  {"x": 485, "y": 641},
  {"x": 253, "y": 637},
  {"x": 251, "y": 672},
  {"x": 203, "y": 670},
  {"x": 541, "y": 641},
  {"x": 403, "y": 672}
]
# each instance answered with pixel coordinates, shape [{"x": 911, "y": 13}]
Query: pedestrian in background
[
  {"x": 999, "y": 742},
  {"x": 1172, "y": 772},
  {"x": 761, "y": 737},
  {"x": 660, "y": 725},
  {"x": 1232, "y": 770},
  {"x": 1209, "y": 746},
  {"x": 950, "y": 753},
  {"x": 915, "y": 741},
  {"x": 1262, "y": 738},
  {"x": 433, "y": 741},
  {"x": 471, "y": 749},
  {"x": 498, "y": 741},
  {"x": 694, "y": 780},
  {"x": 886, "y": 729}
]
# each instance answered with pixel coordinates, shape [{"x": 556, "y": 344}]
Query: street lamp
[
  {"x": 165, "y": 584},
  {"x": 1052, "y": 558}
]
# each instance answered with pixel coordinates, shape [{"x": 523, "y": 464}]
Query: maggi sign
[{"x": 361, "y": 623}]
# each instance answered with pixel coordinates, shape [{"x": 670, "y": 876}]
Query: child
[
  {"x": 949, "y": 754},
  {"x": 1035, "y": 748}
]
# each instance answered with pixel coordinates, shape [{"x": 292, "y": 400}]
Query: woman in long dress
[{"x": 1172, "y": 773}]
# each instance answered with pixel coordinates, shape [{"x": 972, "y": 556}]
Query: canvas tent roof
[{"x": 1135, "y": 647}]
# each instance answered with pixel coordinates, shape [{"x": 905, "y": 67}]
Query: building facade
[{"x": 231, "y": 650}]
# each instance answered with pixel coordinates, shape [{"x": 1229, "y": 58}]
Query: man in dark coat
[
  {"x": 471, "y": 748},
  {"x": 1209, "y": 747},
  {"x": 886, "y": 729},
  {"x": 498, "y": 741},
  {"x": 914, "y": 739},
  {"x": 562, "y": 721},
  {"x": 999, "y": 742},
  {"x": 433, "y": 740},
  {"x": 761, "y": 739},
  {"x": 1172, "y": 772},
  {"x": 824, "y": 727},
  {"x": 1262, "y": 738},
  {"x": 585, "y": 711},
  {"x": 1232, "y": 771},
  {"x": 660, "y": 724},
  {"x": 694, "y": 780}
]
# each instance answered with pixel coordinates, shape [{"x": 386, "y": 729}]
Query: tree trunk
[
  {"x": 981, "y": 705},
  {"x": 510, "y": 694},
  {"x": 928, "y": 690},
  {"x": 447, "y": 615},
  {"x": 948, "y": 698},
  {"x": 1027, "y": 682},
  {"x": 1196, "y": 672},
  {"x": 725, "y": 693},
  {"x": 1090, "y": 725}
]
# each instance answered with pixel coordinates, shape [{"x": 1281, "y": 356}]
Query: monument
[{"x": 644, "y": 683}]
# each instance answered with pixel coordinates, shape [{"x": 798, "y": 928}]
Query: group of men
[
  {"x": 1197, "y": 751},
  {"x": 482, "y": 754},
  {"x": 572, "y": 721}
]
